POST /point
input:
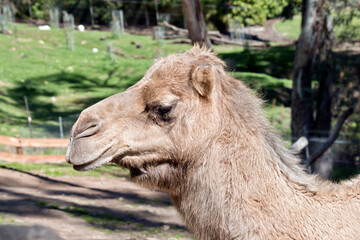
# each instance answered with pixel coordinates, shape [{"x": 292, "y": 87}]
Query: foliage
[
  {"x": 37, "y": 9},
  {"x": 346, "y": 17},
  {"x": 252, "y": 12},
  {"x": 40, "y": 9}
]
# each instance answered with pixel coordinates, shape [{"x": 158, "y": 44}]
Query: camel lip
[
  {"x": 92, "y": 165},
  {"x": 98, "y": 161}
]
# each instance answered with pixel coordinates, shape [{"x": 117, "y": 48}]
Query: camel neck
[{"x": 224, "y": 192}]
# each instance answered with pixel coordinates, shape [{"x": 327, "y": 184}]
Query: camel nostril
[{"x": 89, "y": 131}]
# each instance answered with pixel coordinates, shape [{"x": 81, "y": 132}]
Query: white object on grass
[
  {"x": 81, "y": 28},
  {"x": 44, "y": 27}
]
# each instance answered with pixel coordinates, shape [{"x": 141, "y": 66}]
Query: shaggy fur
[{"x": 190, "y": 129}]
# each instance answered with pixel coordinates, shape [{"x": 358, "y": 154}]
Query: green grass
[
  {"x": 6, "y": 219},
  {"x": 270, "y": 88},
  {"x": 60, "y": 82},
  {"x": 290, "y": 28},
  {"x": 62, "y": 169},
  {"x": 275, "y": 61}
]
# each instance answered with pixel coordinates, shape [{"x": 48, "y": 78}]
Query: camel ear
[{"x": 203, "y": 79}]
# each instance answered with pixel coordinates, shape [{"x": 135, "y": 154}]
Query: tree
[
  {"x": 195, "y": 22},
  {"x": 315, "y": 42},
  {"x": 313, "y": 61}
]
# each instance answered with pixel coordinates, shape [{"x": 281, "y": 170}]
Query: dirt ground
[{"x": 88, "y": 207}]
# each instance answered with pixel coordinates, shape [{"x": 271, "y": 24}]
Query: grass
[
  {"x": 64, "y": 169},
  {"x": 6, "y": 219},
  {"x": 275, "y": 61},
  {"x": 290, "y": 28},
  {"x": 60, "y": 82}
]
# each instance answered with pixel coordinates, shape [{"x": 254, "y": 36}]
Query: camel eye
[{"x": 163, "y": 110}]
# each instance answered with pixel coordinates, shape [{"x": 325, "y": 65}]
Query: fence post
[
  {"x": 61, "y": 127},
  {"x": 28, "y": 115},
  {"x": 19, "y": 150}
]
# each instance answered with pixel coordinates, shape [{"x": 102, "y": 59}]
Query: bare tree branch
[{"x": 332, "y": 136}]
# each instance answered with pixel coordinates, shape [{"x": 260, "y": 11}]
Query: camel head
[{"x": 156, "y": 127}]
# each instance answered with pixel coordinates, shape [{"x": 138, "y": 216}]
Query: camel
[{"x": 190, "y": 129}]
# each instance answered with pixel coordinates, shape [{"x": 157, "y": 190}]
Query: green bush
[{"x": 253, "y": 12}]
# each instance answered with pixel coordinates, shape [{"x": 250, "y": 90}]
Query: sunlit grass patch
[
  {"x": 290, "y": 28},
  {"x": 64, "y": 169}
]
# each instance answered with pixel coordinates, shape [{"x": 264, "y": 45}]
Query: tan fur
[{"x": 229, "y": 175}]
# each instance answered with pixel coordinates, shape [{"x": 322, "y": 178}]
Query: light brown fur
[{"x": 229, "y": 175}]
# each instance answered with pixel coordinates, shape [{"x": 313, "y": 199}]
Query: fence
[
  {"x": 52, "y": 127},
  {"x": 45, "y": 142},
  {"x": 20, "y": 144}
]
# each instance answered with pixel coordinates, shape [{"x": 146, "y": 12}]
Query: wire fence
[
  {"x": 55, "y": 127},
  {"x": 343, "y": 151}
]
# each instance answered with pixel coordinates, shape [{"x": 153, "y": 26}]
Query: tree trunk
[
  {"x": 313, "y": 61},
  {"x": 91, "y": 13},
  {"x": 301, "y": 100},
  {"x": 195, "y": 22},
  {"x": 314, "y": 48},
  {"x": 324, "y": 71}
]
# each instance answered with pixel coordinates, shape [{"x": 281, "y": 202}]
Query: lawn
[
  {"x": 64, "y": 169},
  {"x": 291, "y": 28},
  {"x": 60, "y": 82}
]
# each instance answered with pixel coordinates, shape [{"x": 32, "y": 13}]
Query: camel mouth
[
  {"x": 139, "y": 169},
  {"x": 80, "y": 164},
  {"x": 135, "y": 169},
  {"x": 92, "y": 165}
]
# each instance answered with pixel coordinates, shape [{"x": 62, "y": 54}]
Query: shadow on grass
[
  {"x": 275, "y": 61},
  {"x": 76, "y": 91},
  {"x": 272, "y": 90}
]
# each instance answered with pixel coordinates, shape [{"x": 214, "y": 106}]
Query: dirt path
[{"x": 88, "y": 207}]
